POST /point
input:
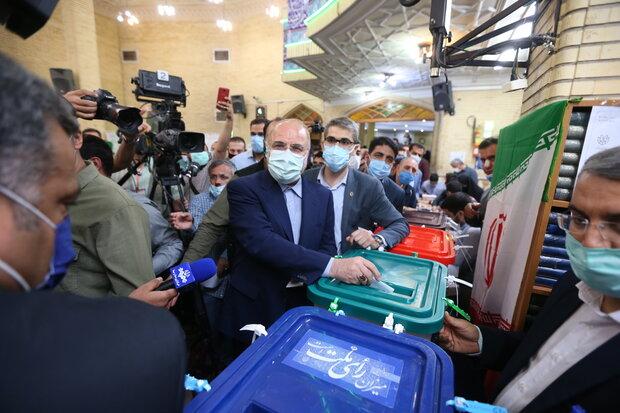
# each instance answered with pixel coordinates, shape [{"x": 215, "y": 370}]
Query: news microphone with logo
[{"x": 189, "y": 273}]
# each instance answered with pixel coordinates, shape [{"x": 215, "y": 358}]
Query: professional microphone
[{"x": 189, "y": 273}]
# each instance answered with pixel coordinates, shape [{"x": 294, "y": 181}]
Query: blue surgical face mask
[
  {"x": 216, "y": 190},
  {"x": 405, "y": 177},
  {"x": 379, "y": 169},
  {"x": 63, "y": 247},
  {"x": 64, "y": 255},
  {"x": 336, "y": 158},
  {"x": 258, "y": 144},
  {"x": 597, "y": 267},
  {"x": 285, "y": 166},
  {"x": 417, "y": 158},
  {"x": 201, "y": 158}
]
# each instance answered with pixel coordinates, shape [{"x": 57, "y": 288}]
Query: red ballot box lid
[{"x": 429, "y": 243}]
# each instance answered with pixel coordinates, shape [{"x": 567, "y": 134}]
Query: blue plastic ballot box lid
[
  {"x": 314, "y": 361},
  {"x": 417, "y": 301}
]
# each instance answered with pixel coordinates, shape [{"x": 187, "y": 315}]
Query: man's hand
[
  {"x": 227, "y": 107},
  {"x": 458, "y": 336},
  {"x": 146, "y": 293},
  {"x": 181, "y": 220},
  {"x": 356, "y": 270},
  {"x": 363, "y": 238},
  {"x": 471, "y": 210},
  {"x": 84, "y": 109}
]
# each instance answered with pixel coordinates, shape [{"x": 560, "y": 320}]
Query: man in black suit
[
  {"x": 283, "y": 231},
  {"x": 570, "y": 355},
  {"x": 63, "y": 353}
]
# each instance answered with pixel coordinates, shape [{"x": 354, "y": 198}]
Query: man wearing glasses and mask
[
  {"x": 570, "y": 354},
  {"x": 359, "y": 199}
]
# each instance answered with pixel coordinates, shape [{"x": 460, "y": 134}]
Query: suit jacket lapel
[
  {"x": 308, "y": 205},
  {"x": 276, "y": 204},
  {"x": 350, "y": 192}
]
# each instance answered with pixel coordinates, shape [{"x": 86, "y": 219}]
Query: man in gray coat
[{"x": 359, "y": 199}]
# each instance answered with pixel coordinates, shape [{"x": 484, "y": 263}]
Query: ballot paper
[{"x": 602, "y": 132}]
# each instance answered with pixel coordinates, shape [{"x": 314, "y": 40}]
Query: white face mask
[
  {"x": 12, "y": 272},
  {"x": 355, "y": 161}
]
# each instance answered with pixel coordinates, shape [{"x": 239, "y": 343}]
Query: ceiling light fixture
[
  {"x": 166, "y": 10},
  {"x": 273, "y": 11},
  {"x": 128, "y": 17},
  {"x": 224, "y": 25},
  {"x": 216, "y": 1}
]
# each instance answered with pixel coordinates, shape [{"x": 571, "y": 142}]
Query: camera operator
[{"x": 62, "y": 353}]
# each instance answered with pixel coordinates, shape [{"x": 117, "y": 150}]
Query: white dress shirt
[
  {"x": 338, "y": 191},
  {"x": 585, "y": 331}
]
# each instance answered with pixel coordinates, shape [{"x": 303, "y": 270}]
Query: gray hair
[
  {"x": 605, "y": 164},
  {"x": 456, "y": 161},
  {"x": 219, "y": 162},
  {"x": 345, "y": 123},
  {"x": 27, "y": 105}
]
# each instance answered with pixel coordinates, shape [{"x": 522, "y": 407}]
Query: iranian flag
[{"x": 523, "y": 160}]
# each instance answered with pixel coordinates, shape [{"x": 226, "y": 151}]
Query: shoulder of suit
[
  {"x": 248, "y": 179},
  {"x": 50, "y": 308}
]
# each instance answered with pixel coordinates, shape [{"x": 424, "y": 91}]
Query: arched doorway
[
  {"x": 309, "y": 117},
  {"x": 395, "y": 118}
]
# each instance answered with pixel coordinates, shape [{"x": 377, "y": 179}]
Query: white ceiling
[{"x": 373, "y": 37}]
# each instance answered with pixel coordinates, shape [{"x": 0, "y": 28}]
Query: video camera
[
  {"x": 170, "y": 140},
  {"x": 166, "y": 93},
  {"x": 126, "y": 118}
]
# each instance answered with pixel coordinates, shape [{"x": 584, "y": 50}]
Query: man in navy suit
[
  {"x": 570, "y": 354},
  {"x": 283, "y": 230}
]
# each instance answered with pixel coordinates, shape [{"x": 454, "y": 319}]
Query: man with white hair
[
  {"x": 569, "y": 356},
  {"x": 283, "y": 234}
]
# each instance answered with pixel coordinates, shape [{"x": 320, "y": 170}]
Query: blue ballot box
[{"x": 314, "y": 361}]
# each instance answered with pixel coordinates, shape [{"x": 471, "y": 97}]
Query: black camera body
[
  {"x": 173, "y": 140},
  {"x": 127, "y": 119},
  {"x": 317, "y": 127}
]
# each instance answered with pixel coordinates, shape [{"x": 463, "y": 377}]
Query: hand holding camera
[{"x": 85, "y": 109}]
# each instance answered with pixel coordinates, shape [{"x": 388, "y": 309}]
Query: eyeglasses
[
  {"x": 345, "y": 143},
  {"x": 578, "y": 225}
]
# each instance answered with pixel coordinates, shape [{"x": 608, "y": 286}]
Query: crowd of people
[{"x": 276, "y": 217}]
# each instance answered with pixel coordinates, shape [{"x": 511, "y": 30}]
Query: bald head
[{"x": 288, "y": 133}]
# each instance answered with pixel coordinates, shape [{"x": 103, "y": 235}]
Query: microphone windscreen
[{"x": 193, "y": 272}]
